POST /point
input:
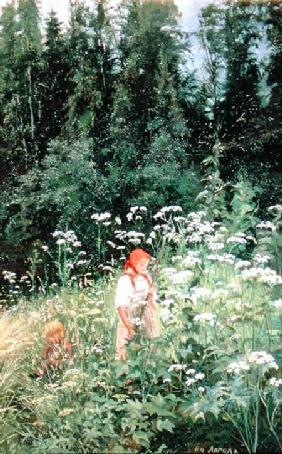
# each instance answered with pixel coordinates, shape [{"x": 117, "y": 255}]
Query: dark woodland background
[{"x": 106, "y": 113}]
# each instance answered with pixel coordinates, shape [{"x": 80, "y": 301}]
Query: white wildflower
[
  {"x": 237, "y": 367},
  {"x": 190, "y": 371},
  {"x": 190, "y": 381},
  {"x": 60, "y": 241},
  {"x": 199, "y": 376},
  {"x": 277, "y": 303},
  {"x": 76, "y": 244},
  {"x": 173, "y": 208},
  {"x": 215, "y": 246},
  {"x": 58, "y": 233},
  {"x": 236, "y": 239},
  {"x": 262, "y": 358},
  {"x": 134, "y": 241},
  {"x": 275, "y": 382},
  {"x": 261, "y": 259},
  {"x": 267, "y": 225},
  {"x": 134, "y": 209},
  {"x": 200, "y": 293},
  {"x": 242, "y": 264},
  {"x": 275, "y": 209},
  {"x": 177, "y": 367},
  {"x": 110, "y": 243},
  {"x": 205, "y": 317},
  {"x": 181, "y": 276},
  {"x": 165, "y": 314}
]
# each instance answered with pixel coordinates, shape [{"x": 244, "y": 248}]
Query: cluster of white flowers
[
  {"x": 194, "y": 238},
  {"x": 168, "y": 271},
  {"x": 101, "y": 217},
  {"x": 161, "y": 214},
  {"x": 167, "y": 302},
  {"x": 9, "y": 276},
  {"x": 137, "y": 208},
  {"x": 108, "y": 268},
  {"x": 133, "y": 234},
  {"x": 167, "y": 380},
  {"x": 177, "y": 367},
  {"x": 24, "y": 278},
  {"x": 172, "y": 208},
  {"x": 242, "y": 264},
  {"x": 277, "y": 303},
  {"x": 236, "y": 367},
  {"x": 239, "y": 239},
  {"x": 120, "y": 234},
  {"x": 224, "y": 258},
  {"x": 202, "y": 228},
  {"x": 264, "y": 275},
  {"x": 165, "y": 314},
  {"x": 213, "y": 246},
  {"x": 64, "y": 238},
  {"x": 275, "y": 382},
  {"x": 275, "y": 209},
  {"x": 205, "y": 317},
  {"x": 200, "y": 293},
  {"x": 194, "y": 377},
  {"x": 262, "y": 358},
  {"x": 260, "y": 259},
  {"x": 181, "y": 277},
  {"x": 191, "y": 259},
  {"x": 267, "y": 225},
  {"x": 253, "y": 359},
  {"x": 136, "y": 321},
  {"x": 233, "y": 319}
]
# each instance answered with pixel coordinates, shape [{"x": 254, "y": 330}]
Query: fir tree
[{"x": 55, "y": 82}]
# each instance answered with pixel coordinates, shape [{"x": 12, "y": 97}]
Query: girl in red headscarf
[{"x": 135, "y": 301}]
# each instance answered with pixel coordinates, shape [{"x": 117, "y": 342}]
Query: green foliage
[
  {"x": 242, "y": 216},
  {"x": 65, "y": 190}
]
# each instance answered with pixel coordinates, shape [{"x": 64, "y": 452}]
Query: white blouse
[{"x": 126, "y": 294}]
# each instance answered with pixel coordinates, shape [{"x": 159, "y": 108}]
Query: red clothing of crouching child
[{"x": 56, "y": 350}]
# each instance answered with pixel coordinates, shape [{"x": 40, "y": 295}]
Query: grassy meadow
[{"x": 210, "y": 383}]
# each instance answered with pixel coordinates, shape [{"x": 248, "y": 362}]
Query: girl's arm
[{"x": 123, "y": 315}]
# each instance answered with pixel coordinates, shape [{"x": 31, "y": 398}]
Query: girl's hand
[{"x": 131, "y": 332}]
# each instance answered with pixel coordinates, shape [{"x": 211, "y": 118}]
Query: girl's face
[
  {"x": 142, "y": 265},
  {"x": 55, "y": 338}
]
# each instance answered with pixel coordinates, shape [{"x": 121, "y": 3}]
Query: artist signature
[{"x": 211, "y": 450}]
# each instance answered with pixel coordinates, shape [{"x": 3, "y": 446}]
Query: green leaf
[{"x": 165, "y": 424}]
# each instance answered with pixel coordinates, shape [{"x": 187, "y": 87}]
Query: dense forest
[
  {"x": 112, "y": 145},
  {"x": 107, "y": 113}
]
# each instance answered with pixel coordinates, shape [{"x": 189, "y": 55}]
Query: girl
[{"x": 135, "y": 301}]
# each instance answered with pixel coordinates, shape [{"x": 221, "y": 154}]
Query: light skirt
[{"x": 151, "y": 326}]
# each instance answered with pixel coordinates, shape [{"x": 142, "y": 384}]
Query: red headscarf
[
  {"x": 134, "y": 257},
  {"x": 130, "y": 264},
  {"x": 130, "y": 267}
]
